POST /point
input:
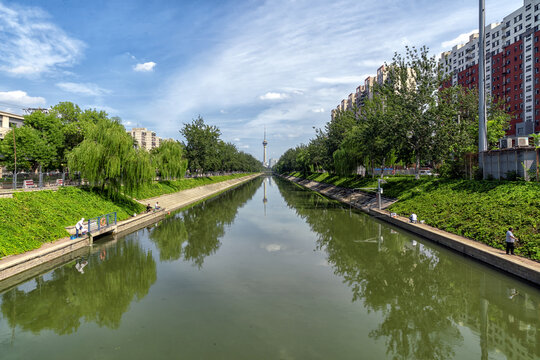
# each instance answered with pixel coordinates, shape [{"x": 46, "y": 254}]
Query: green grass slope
[{"x": 32, "y": 218}]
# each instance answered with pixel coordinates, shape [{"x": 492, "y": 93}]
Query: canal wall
[
  {"x": 48, "y": 255},
  {"x": 518, "y": 266}
]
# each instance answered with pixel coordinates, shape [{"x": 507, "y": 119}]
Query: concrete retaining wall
[{"x": 498, "y": 163}]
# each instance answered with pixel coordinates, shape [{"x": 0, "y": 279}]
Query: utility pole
[
  {"x": 482, "y": 130},
  {"x": 15, "y": 158}
]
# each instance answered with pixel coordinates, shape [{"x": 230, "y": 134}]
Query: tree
[
  {"x": 106, "y": 157},
  {"x": 201, "y": 144},
  {"x": 169, "y": 159},
  {"x": 33, "y": 150},
  {"x": 411, "y": 102},
  {"x": 536, "y": 139},
  {"x": 336, "y": 130}
]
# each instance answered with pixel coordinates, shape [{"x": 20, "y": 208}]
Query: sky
[{"x": 243, "y": 65}]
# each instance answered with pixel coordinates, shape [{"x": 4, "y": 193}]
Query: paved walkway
[{"x": 183, "y": 198}]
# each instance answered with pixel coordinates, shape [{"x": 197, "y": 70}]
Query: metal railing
[
  {"x": 101, "y": 222},
  {"x": 23, "y": 180}
]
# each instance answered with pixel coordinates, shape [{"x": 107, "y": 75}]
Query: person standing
[{"x": 510, "y": 240}]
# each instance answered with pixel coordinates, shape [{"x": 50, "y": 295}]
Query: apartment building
[
  {"x": 362, "y": 93},
  {"x": 145, "y": 138},
  {"x": 9, "y": 120},
  {"x": 512, "y": 66}
]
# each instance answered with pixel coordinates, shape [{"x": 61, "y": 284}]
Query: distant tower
[{"x": 264, "y": 146}]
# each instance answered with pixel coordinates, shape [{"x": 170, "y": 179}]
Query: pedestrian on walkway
[{"x": 510, "y": 240}]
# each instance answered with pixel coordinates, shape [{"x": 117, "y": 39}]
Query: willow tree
[
  {"x": 108, "y": 159},
  {"x": 169, "y": 159}
]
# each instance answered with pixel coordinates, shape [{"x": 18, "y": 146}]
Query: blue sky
[{"x": 241, "y": 65}]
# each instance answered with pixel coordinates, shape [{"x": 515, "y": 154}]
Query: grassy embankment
[
  {"x": 30, "y": 219},
  {"x": 478, "y": 210}
]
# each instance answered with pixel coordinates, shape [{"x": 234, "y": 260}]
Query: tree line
[
  {"x": 409, "y": 119},
  {"x": 102, "y": 151}
]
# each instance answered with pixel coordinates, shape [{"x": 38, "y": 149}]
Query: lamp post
[{"x": 15, "y": 159}]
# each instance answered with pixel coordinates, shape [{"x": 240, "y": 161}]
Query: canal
[{"x": 270, "y": 271}]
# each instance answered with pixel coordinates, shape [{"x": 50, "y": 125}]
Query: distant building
[
  {"x": 512, "y": 66},
  {"x": 9, "y": 120},
  {"x": 146, "y": 139}
]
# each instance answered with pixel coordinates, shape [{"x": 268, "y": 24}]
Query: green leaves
[{"x": 106, "y": 157}]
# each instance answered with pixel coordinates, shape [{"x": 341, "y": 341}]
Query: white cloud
[
  {"x": 145, "y": 67},
  {"x": 273, "y": 96},
  {"x": 82, "y": 88},
  {"x": 109, "y": 110},
  {"x": 318, "y": 110},
  {"x": 31, "y": 45},
  {"x": 19, "y": 97},
  {"x": 460, "y": 39},
  {"x": 272, "y": 247},
  {"x": 341, "y": 79},
  {"x": 299, "y": 50}
]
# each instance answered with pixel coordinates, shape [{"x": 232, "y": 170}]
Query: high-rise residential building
[
  {"x": 146, "y": 139},
  {"x": 351, "y": 101},
  {"x": 8, "y": 121},
  {"x": 512, "y": 66}
]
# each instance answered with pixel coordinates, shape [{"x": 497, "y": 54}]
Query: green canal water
[{"x": 270, "y": 271}]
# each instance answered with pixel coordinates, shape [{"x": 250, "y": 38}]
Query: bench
[
  {"x": 28, "y": 184},
  {"x": 59, "y": 182}
]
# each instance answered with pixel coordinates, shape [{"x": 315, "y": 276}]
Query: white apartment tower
[{"x": 145, "y": 138}]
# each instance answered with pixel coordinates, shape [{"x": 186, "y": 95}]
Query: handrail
[{"x": 101, "y": 222}]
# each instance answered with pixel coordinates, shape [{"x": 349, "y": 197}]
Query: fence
[
  {"x": 39, "y": 180},
  {"x": 101, "y": 222}
]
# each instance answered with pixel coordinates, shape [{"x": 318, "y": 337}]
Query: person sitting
[
  {"x": 413, "y": 218},
  {"x": 157, "y": 207},
  {"x": 148, "y": 208}
]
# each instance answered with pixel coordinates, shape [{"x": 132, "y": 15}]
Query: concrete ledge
[
  {"x": 521, "y": 267},
  {"x": 16, "y": 264}
]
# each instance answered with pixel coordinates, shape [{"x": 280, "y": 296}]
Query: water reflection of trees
[
  {"x": 424, "y": 296},
  {"x": 194, "y": 233},
  {"x": 101, "y": 295}
]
